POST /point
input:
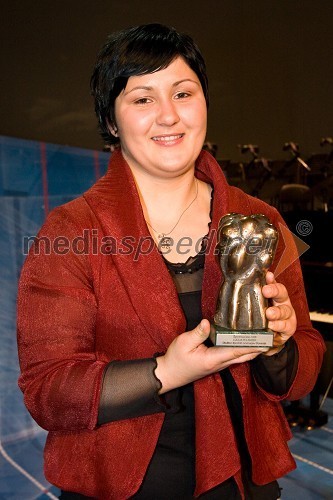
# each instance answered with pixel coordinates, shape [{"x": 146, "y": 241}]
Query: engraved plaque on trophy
[{"x": 246, "y": 248}]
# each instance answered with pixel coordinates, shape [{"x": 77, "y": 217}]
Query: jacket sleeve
[
  {"x": 56, "y": 312},
  {"x": 309, "y": 343},
  {"x": 65, "y": 386}
]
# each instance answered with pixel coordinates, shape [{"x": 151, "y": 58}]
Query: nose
[{"x": 167, "y": 113}]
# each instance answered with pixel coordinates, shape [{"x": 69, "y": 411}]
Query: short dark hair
[{"x": 138, "y": 51}]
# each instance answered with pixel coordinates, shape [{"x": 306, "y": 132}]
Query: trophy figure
[{"x": 246, "y": 248}]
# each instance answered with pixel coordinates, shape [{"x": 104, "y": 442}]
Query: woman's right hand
[{"x": 188, "y": 358}]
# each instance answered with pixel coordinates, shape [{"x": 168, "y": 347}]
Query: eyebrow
[{"x": 145, "y": 87}]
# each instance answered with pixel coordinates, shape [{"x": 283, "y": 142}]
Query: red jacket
[{"x": 77, "y": 310}]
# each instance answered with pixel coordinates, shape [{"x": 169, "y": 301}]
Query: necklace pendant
[{"x": 165, "y": 243}]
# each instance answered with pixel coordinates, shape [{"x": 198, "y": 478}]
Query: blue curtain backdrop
[{"x": 34, "y": 178}]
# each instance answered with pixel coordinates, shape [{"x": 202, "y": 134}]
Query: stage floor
[{"x": 313, "y": 452}]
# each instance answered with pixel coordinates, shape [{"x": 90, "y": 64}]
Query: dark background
[{"x": 269, "y": 62}]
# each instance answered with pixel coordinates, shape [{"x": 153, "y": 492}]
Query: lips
[{"x": 167, "y": 139}]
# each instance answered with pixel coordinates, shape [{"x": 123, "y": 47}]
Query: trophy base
[{"x": 241, "y": 338}]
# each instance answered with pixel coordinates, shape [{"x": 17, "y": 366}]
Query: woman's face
[{"x": 161, "y": 120}]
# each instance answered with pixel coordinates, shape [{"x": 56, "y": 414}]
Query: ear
[
  {"x": 114, "y": 131},
  {"x": 113, "y": 128}
]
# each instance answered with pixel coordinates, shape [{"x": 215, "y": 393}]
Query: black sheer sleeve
[
  {"x": 130, "y": 389},
  {"x": 276, "y": 373}
]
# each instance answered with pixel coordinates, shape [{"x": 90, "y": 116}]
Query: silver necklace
[{"x": 164, "y": 240}]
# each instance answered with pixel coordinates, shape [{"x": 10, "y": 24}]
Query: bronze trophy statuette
[{"x": 246, "y": 248}]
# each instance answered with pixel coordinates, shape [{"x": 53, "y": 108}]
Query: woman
[{"x": 113, "y": 345}]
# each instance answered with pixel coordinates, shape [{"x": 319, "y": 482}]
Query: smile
[{"x": 170, "y": 139}]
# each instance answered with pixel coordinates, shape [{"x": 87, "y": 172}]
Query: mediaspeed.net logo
[{"x": 89, "y": 243}]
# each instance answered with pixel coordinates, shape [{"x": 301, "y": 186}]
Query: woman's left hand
[{"x": 281, "y": 315}]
